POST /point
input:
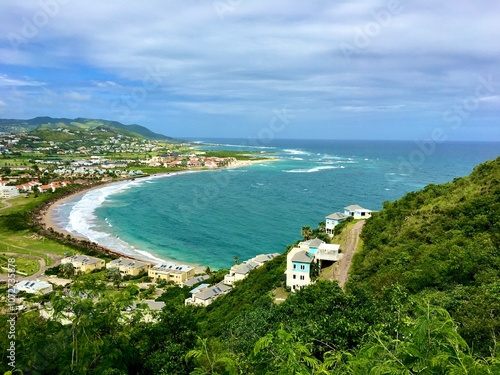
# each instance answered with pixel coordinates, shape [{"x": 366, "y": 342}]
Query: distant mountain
[{"x": 47, "y": 123}]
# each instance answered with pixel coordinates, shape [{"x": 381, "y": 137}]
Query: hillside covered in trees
[
  {"x": 423, "y": 298},
  {"x": 442, "y": 244}
]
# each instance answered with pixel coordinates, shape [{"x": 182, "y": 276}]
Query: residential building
[
  {"x": 333, "y": 220},
  {"x": 32, "y": 287},
  {"x": 129, "y": 266},
  {"x": 204, "y": 295},
  {"x": 298, "y": 270},
  {"x": 195, "y": 280},
  {"x": 178, "y": 273},
  {"x": 301, "y": 259},
  {"x": 327, "y": 254},
  {"x": 84, "y": 263},
  {"x": 262, "y": 258},
  {"x": 357, "y": 212},
  {"x": 8, "y": 192},
  {"x": 311, "y": 245},
  {"x": 240, "y": 271}
]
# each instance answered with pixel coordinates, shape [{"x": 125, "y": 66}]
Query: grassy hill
[
  {"x": 45, "y": 124},
  {"x": 442, "y": 244}
]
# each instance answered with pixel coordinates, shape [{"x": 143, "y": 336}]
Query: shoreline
[{"x": 46, "y": 216}]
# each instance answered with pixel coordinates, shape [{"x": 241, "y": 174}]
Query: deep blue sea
[{"x": 209, "y": 217}]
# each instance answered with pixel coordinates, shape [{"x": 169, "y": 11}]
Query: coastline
[{"x": 47, "y": 222}]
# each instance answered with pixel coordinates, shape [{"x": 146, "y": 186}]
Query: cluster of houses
[
  {"x": 205, "y": 294},
  {"x": 117, "y": 143},
  {"x": 8, "y": 192},
  {"x": 179, "y": 274},
  {"x": 174, "y": 159},
  {"x": 315, "y": 253}
]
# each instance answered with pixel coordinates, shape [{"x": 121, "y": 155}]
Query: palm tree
[
  {"x": 67, "y": 270},
  {"x": 235, "y": 259},
  {"x": 306, "y": 232},
  {"x": 208, "y": 271},
  {"x": 322, "y": 226}
]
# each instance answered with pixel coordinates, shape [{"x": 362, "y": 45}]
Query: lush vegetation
[
  {"x": 45, "y": 124},
  {"x": 423, "y": 298},
  {"x": 442, "y": 243}
]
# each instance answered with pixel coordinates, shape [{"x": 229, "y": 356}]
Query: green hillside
[
  {"x": 78, "y": 124},
  {"x": 441, "y": 243},
  {"x": 423, "y": 298}
]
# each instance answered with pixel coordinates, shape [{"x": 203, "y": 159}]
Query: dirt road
[{"x": 348, "y": 251}]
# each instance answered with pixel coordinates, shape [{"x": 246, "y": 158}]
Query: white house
[
  {"x": 204, "y": 295},
  {"x": 298, "y": 269},
  {"x": 33, "y": 287},
  {"x": 311, "y": 245},
  {"x": 327, "y": 252},
  {"x": 332, "y": 220},
  {"x": 240, "y": 271},
  {"x": 299, "y": 261},
  {"x": 357, "y": 212},
  {"x": 8, "y": 192},
  {"x": 195, "y": 280}
]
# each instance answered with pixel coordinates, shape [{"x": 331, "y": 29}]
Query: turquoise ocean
[{"x": 210, "y": 217}]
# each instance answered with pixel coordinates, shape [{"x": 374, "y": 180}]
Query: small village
[{"x": 54, "y": 175}]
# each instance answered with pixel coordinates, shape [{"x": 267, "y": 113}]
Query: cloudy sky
[{"x": 252, "y": 68}]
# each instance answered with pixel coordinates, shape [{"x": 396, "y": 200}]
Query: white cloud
[
  {"x": 260, "y": 54},
  {"x": 104, "y": 84},
  {"x": 7, "y": 81},
  {"x": 76, "y": 96}
]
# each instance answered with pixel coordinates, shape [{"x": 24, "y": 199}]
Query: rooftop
[
  {"x": 212, "y": 291},
  {"x": 353, "y": 207},
  {"x": 337, "y": 216},
  {"x": 315, "y": 242},
  {"x": 302, "y": 257},
  {"x": 84, "y": 259}
]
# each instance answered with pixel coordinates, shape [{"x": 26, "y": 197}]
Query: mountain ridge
[{"x": 26, "y": 126}]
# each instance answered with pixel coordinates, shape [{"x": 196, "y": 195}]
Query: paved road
[{"x": 348, "y": 252}]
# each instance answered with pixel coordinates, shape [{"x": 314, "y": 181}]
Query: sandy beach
[{"x": 47, "y": 216}]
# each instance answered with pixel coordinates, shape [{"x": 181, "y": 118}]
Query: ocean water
[{"x": 210, "y": 217}]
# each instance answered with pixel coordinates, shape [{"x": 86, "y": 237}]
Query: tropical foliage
[{"x": 423, "y": 298}]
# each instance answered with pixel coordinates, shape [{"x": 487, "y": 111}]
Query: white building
[
  {"x": 8, "y": 192},
  {"x": 33, "y": 287},
  {"x": 298, "y": 268},
  {"x": 300, "y": 259},
  {"x": 332, "y": 220},
  {"x": 327, "y": 252},
  {"x": 357, "y": 212},
  {"x": 240, "y": 271},
  {"x": 204, "y": 295}
]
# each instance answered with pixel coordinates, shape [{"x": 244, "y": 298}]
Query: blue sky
[{"x": 253, "y": 68}]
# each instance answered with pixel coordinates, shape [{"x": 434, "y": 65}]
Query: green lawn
[
  {"x": 24, "y": 264},
  {"x": 15, "y": 237}
]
